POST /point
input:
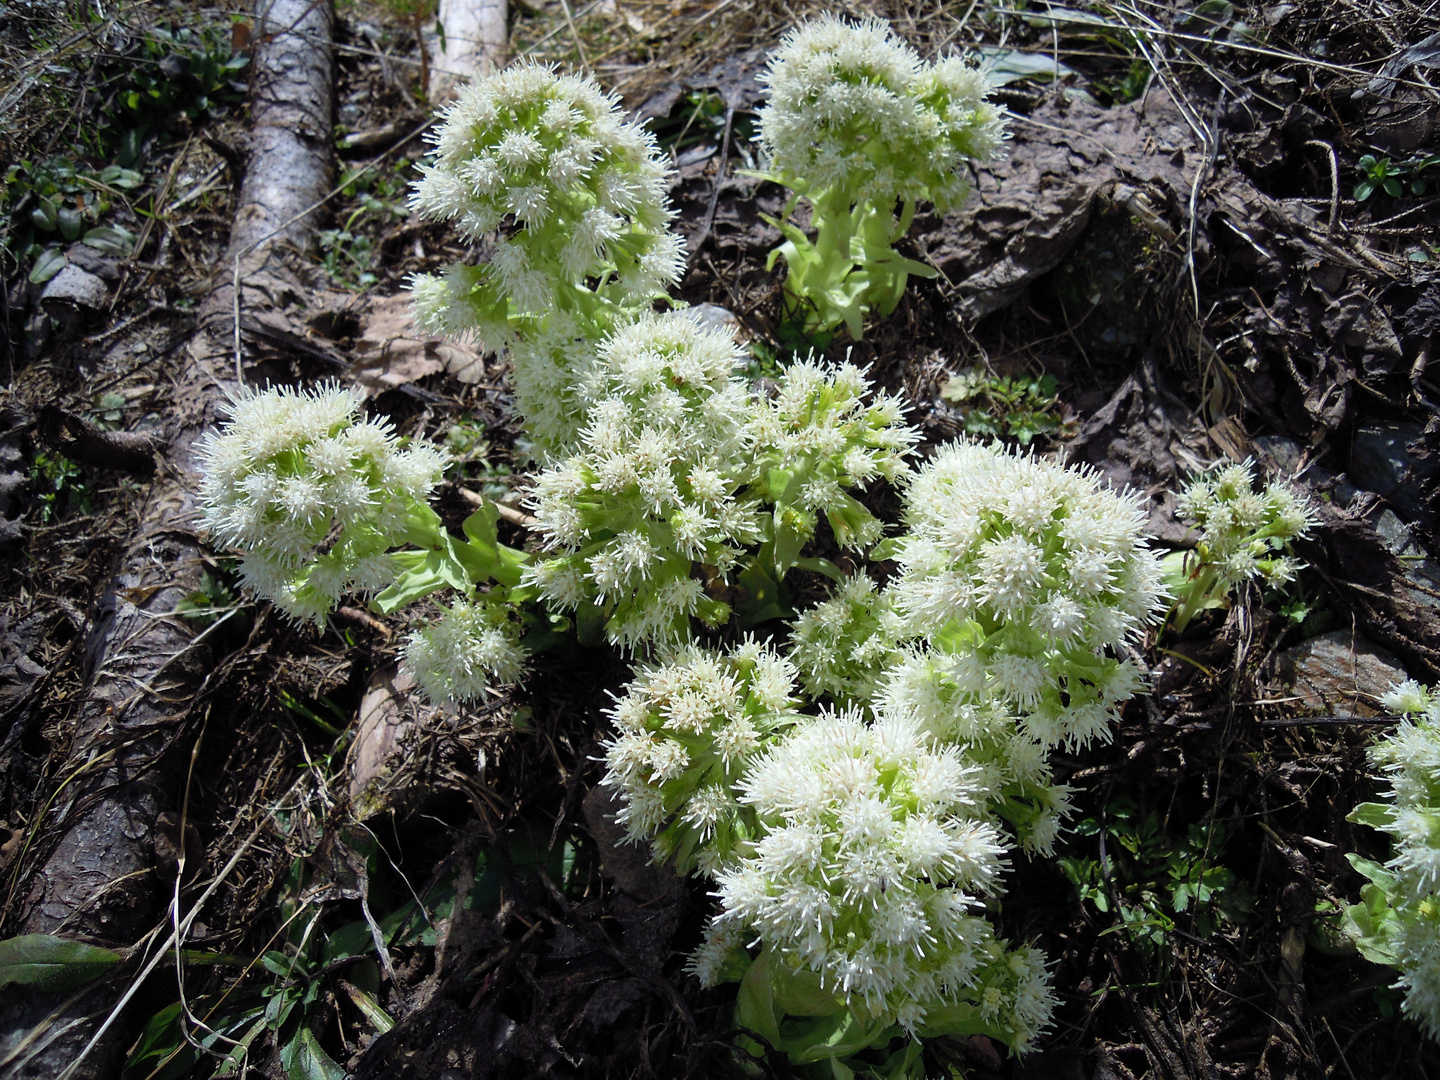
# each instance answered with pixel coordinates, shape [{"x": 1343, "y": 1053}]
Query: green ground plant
[
  {"x": 1148, "y": 880},
  {"x": 1008, "y": 407}
]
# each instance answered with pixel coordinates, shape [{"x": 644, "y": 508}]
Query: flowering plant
[
  {"x": 861, "y": 890},
  {"x": 591, "y": 244},
  {"x": 1027, "y": 576},
  {"x": 1242, "y": 535},
  {"x": 1397, "y": 921},
  {"x": 688, "y": 729},
  {"x": 321, "y": 503},
  {"x": 653, "y": 489},
  {"x": 857, "y": 123},
  {"x": 821, "y": 433},
  {"x": 314, "y": 497}
]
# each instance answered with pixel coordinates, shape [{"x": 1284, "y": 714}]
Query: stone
[
  {"x": 1337, "y": 674},
  {"x": 1381, "y": 460}
]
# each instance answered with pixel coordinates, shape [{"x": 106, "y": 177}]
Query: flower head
[
  {"x": 820, "y": 434},
  {"x": 852, "y": 107},
  {"x": 687, "y": 730},
  {"x": 312, "y": 495},
  {"x": 1242, "y": 529},
  {"x": 472, "y": 646},
  {"x": 1028, "y": 574},
  {"x": 842, "y": 645},
  {"x": 585, "y": 190},
  {"x": 868, "y": 862},
  {"x": 650, "y": 496}
]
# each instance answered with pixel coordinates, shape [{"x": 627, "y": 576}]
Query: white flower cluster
[
  {"x": 842, "y": 645},
  {"x": 868, "y": 866},
  {"x": 1027, "y": 573},
  {"x": 652, "y": 490},
  {"x": 1241, "y": 529},
  {"x": 313, "y": 496},
  {"x": 474, "y": 645},
  {"x": 688, "y": 728},
  {"x": 1410, "y": 759},
  {"x": 821, "y": 433},
  {"x": 585, "y": 190},
  {"x": 855, "y": 110},
  {"x": 1015, "y": 778}
]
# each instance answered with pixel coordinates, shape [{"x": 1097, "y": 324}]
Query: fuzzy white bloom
[
  {"x": 869, "y": 856},
  {"x": 651, "y": 493},
  {"x": 1242, "y": 529},
  {"x": 586, "y": 190},
  {"x": 842, "y": 645},
  {"x": 1410, "y": 759},
  {"x": 474, "y": 645},
  {"x": 312, "y": 495},
  {"x": 823, "y": 432},
  {"x": 686, "y": 731},
  {"x": 948, "y": 700},
  {"x": 853, "y": 108},
  {"x": 1028, "y": 574}
]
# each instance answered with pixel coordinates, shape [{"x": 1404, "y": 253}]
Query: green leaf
[
  {"x": 111, "y": 239},
  {"x": 68, "y": 220},
  {"x": 124, "y": 179},
  {"x": 304, "y": 1059},
  {"x": 49, "y": 263},
  {"x": 1004, "y": 66},
  {"x": 1392, "y": 187},
  {"x": 755, "y": 1004},
  {"x": 52, "y": 963},
  {"x": 1376, "y": 815},
  {"x": 1364, "y": 190}
]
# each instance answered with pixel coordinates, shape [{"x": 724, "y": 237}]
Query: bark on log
[
  {"x": 477, "y": 42},
  {"x": 145, "y": 664}
]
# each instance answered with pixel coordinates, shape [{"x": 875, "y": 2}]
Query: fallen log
[{"x": 91, "y": 866}]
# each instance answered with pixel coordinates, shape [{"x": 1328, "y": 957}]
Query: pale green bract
[{"x": 313, "y": 496}]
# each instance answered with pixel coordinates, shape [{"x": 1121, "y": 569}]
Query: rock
[
  {"x": 87, "y": 258},
  {"x": 715, "y": 317},
  {"x": 1422, "y": 573},
  {"x": 74, "y": 296},
  {"x": 1382, "y": 461},
  {"x": 1338, "y": 674}
]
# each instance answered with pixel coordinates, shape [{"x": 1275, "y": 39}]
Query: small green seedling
[
  {"x": 1000, "y": 407},
  {"x": 1392, "y": 177}
]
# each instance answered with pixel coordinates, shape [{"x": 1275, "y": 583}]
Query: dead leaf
[{"x": 392, "y": 352}]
